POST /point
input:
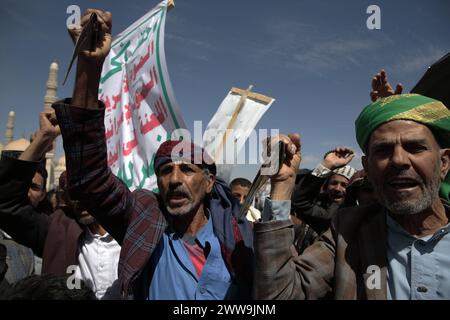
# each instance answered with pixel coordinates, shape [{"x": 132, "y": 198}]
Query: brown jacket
[{"x": 335, "y": 266}]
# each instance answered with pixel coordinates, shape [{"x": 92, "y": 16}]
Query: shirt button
[
  {"x": 202, "y": 290},
  {"x": 422, "y": 289}
]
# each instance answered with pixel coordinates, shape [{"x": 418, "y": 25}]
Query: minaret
[
  {"x": 9, "y": 133},
  {"x": 52, "y": 87},
  {"x": 50, "y": 97}
]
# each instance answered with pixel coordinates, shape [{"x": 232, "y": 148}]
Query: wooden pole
[
  {"x": 170, "y": 5},
  {"x": 237, "y": 110}
]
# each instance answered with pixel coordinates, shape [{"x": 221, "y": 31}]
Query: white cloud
[
  {"x": 418, "y": 60},
  {"x": 310, "y": 161}
]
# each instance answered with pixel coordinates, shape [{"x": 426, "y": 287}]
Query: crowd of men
[{"x": 327, "y": 233}]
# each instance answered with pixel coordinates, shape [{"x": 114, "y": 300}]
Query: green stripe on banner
[
  {"x": 116, "y": 42},
  {"x": 163, "y": 85},
  {"x": 116, "y": 66}
]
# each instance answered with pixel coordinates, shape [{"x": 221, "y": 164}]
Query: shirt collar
[
  {"x": 106, "y": 237},
  {"x": 202, "y": 234},
  {"x": 395, "y": 227}
]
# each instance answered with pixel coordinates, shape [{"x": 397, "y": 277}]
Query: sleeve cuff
[
  {"x": 321, "y": 171},
  {"x": 276, "y": 210}
]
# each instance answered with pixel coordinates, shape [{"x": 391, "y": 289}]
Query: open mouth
[
  {"x": 338, "y": 196},
  {"x": 177, "y": 198},
  {"x": 403, "y": 184}
]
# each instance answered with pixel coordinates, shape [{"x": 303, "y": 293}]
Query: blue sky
[{"x": 315, "y": 57}]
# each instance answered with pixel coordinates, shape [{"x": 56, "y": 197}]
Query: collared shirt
[
  {"x": 418, "y": 268},
  {"x": 176, "y": 278},
  {"x": 98, "y": 260}
]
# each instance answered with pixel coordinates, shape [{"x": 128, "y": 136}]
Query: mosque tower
[
  {"x": 9, "y": 134},
  {"x": 49, "y": 99}
]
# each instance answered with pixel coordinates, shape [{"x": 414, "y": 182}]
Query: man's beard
[
  {"x": 336, "y": 197},
  {"x": 415, "y": 205},
  {"x": 81, "y": 215},
  {"x": 183, "y": 210},
  {"x": 86, "y": 220}
]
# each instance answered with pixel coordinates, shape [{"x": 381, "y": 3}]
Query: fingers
[
  {"x": 374, "y": 96},
  {"x": 346, "y": 151},
  {"x": 381, "y": 87},
  {"x": 104, "y": 25},
  {"x": 44, "y": 119},
  {"x": 383, "y": 77},
  {"x": 291, "y": 148},
  {"x": 104, "y": 18},
  {"x": 376, "y": 82},
  {"x": 291, "y": 143},
  {"x": 295, "y": 138},
  {"x": 377, "y": 85},
  {"x": 48, "y": 122}
]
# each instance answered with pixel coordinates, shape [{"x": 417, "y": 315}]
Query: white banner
[
  {"x": 141, "y": 110},
  {"x": 231, "y": 126}
]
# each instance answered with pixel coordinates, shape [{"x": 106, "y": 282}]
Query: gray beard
[
  {"x": 174, "y": 212},
  {"x": 412, "y": 206}
]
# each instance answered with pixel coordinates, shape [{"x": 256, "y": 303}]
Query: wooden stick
[
  {"x": 253, "y": 95},
  {"x": 170, "y": 5},
  {"x": 233, "y": 119}
]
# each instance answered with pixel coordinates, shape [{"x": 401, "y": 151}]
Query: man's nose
[
  {"x": 400, "y": 158},
  {"x": 175, "y": 177}
]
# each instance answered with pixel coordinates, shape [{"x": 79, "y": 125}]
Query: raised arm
[
  {"x": 280, "y": 273},
  {"x": 82, "y": 126},
  {"x": 307, "y": 191},
  {"x": 17, "y": 217}
]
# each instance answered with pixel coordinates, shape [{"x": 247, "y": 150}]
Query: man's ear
[
  {"x": 445, "y": 162},
  {"x": 210, "y": 183},
  {"x": 365, "y": 164}
]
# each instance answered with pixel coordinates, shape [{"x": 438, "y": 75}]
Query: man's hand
[
  {"x": 104, "y": 38},
  {"x": 283, "y": 182},
  {"x": 337, "y": 158},
  {"x": 381, "y": 88},
  {"x": 42, "y": 141},
  {"x": 48, "y": 125},
  {"x": 90, "y": 63}
]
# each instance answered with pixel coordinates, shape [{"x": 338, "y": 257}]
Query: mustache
[
  {"x": 178, "y": 191},
  {"x": 403, "y": 174}
]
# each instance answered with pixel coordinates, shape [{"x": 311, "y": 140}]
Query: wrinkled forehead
[
  {"x": 401, "y": 130},
  {"x": 180, "y": 162},
  {"x": 338, "y": 178}
]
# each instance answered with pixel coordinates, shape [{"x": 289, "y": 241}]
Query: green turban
[{"x": 414, "y": 107}]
